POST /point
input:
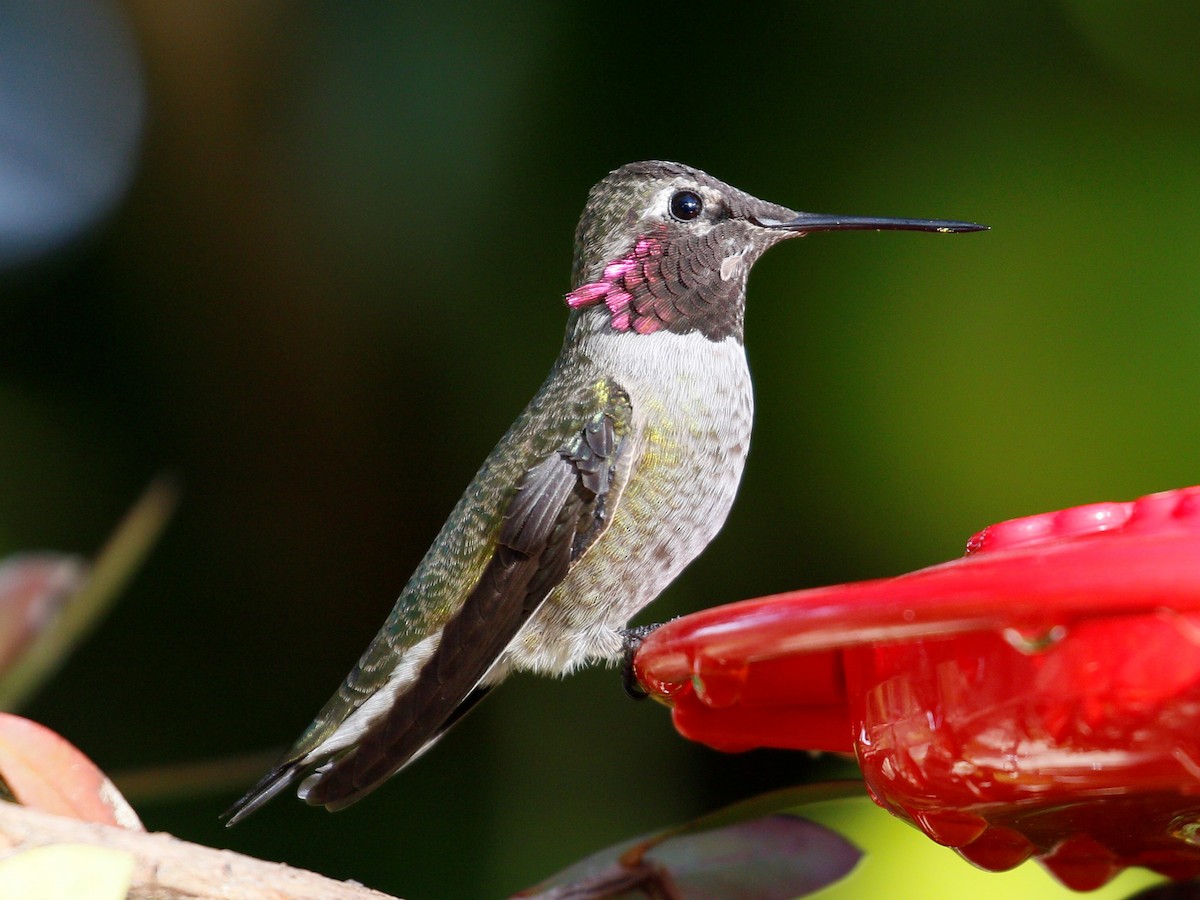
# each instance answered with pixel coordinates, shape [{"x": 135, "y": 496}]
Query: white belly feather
[{"x": 693, "y": 407}]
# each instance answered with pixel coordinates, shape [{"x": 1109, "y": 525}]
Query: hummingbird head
[{"x": 665, "y": 247}]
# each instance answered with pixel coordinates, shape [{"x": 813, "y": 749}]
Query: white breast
[{"x": 692, "y": 408}]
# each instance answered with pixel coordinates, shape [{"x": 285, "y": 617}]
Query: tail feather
[
  {"x": 310, "y": 773},
  {"x": 471, "y": 642},
  {"x": 314, "y": 792},
  {"x": 278, "y": 780}
]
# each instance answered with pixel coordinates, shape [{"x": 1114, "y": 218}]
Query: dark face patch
[
  {"x": 666, "y": 284},
  {"x": 680, "y": 268}
]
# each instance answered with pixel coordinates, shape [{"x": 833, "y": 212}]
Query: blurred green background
[{"x": 337, "y": 276}]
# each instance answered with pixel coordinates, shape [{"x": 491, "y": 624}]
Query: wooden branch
[{"x": 166, "y": 867}]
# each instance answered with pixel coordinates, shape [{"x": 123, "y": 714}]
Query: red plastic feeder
[{"x": 1039, "y": 697}]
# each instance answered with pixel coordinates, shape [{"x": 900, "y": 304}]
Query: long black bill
[{"x": 806, "y": 222}]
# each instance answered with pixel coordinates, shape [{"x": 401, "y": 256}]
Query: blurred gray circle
[{"x": 71, "y": 112}]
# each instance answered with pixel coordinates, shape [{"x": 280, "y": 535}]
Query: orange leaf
[
  {"x": 33, "y": 588},
  {"x": 45, "y": 771}
]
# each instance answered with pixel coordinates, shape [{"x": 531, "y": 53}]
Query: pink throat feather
[{"x": 617, "y": 285}]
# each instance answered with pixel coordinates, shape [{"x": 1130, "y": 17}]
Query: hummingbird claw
[{"x": 632, "y": 639}]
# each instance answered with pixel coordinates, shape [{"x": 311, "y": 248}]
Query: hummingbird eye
[{"x": 686, "y": 205}]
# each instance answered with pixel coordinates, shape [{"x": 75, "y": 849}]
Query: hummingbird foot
[{"x": 631, "y": 639}]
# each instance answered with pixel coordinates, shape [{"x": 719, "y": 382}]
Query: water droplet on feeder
[{"x": 1031, "y": 640}]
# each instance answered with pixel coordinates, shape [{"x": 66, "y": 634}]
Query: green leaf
[{"x": 114, "y": 566}]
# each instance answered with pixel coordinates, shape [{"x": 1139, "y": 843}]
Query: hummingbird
[{"x": 618, "y": 473}]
